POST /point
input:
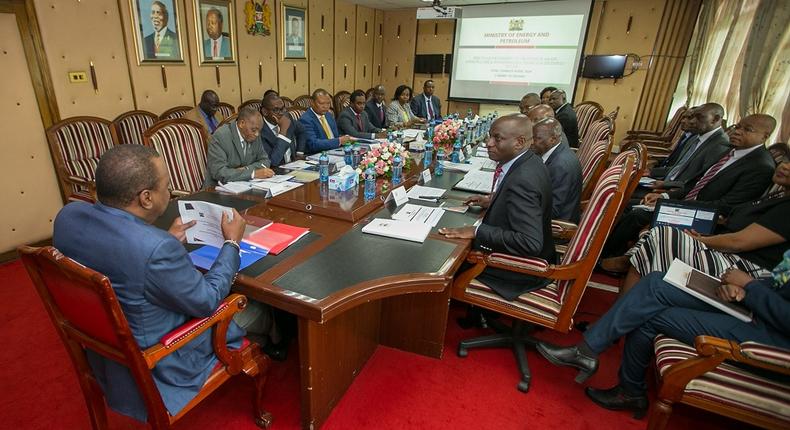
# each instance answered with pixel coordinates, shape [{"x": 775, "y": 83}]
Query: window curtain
[{"x": 739, "y": 58}]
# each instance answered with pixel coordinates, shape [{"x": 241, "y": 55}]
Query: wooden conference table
[{"x": 350, "y": 291}]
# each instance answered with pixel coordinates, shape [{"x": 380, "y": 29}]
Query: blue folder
[{"x": 205, "y": 256}]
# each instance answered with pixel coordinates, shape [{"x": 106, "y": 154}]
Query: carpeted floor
[{"x": 395, "y": 390}]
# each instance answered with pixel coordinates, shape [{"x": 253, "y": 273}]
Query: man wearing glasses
[{"x": 279, "y": 134}]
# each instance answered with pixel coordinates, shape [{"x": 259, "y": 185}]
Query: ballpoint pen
[{"x": 431, "y": 197}]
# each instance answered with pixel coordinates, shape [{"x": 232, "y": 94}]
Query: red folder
[{"x": 276, "y": 237}]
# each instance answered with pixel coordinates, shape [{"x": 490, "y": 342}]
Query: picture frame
[
  {"x": 215, "y": 32},
  {"x": 156, "y": 32},
  {"x": 293, "y": 28}
]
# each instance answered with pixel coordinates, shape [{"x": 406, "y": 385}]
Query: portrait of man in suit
[
  {"x": 294, "y": 37},
  {"x": 217, "y": 44},
  {"x": 159, "y": 23}
]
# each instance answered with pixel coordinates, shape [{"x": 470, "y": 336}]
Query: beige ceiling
[{"x": 400, "y": 4}]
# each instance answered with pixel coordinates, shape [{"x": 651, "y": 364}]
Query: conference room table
[{"x": 350, "y": 291}]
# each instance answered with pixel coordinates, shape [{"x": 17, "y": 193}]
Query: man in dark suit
[
  {"x": 236, "y": 152},
  {"x": 565, "y": 114},
  {"x": 162, "y": 44},
  {"x": 354, "y": 121},
  {"x": 655, "y": 307},
  {"x": 518, "y": 219},
  {"x": 539, "y": 112},
  {"x": 376, "y": 109},
  {"x": 564, "y": 169},
  {"x": 154, "y": 279},
  {"x": 320, "y": 129},
  {"x": 279, "y": 133},
  {"x": 426, "y": 105},
  {"x": 660, "y": 169}
]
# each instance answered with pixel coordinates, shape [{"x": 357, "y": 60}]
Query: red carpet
[{"x": 395, "y": 390}]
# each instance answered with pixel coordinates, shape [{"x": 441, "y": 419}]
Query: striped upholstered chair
[
  {"x": 226, "y": 109},
  {"x": 303, "y": 101},
  {"x": 77, "y": 144},
  {"x": 287, "y": 102},
  {"x": 129, "y": 127},
  {"x": 296, "y": 112},
  {"x": 341, "y": 100},
  {"x": 176, "y": 112},
  {"x": 593, "y": 157},
  {"x": 719, "y": 376},
  {"x": 587, "y": 113},
  {"x": 182, "y": 143},
  {"x": 554, "y": 305},
  {"x": 665, "y": 135}
]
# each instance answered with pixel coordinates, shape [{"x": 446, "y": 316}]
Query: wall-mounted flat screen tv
[{"x": 603, "y": 66}]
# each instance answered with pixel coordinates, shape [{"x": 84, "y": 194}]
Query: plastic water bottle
[
  {"x": 397, "y": 169},
  {"x": 323, "y": 167},
  {"x": 456, "y": 157},
  {"x": 469, "y": 114},
  {"x": 348, "y": 155},
  {"x": 390, "y": 136},
  {"x": 356, "y": 155},
  {"x": 427, "y": 155},
  {"x": 370, "y": 183},
  {"x": 439, "y": 169}
]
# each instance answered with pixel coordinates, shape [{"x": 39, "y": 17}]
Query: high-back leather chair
[
  {"x": 182, "y": 144},
  {"x": 554, "y": 305},
  {"x": 129, "y": 127},
  {"x": 174, "y": 113},
  {"x": 87, "y": 316},
  {"x": 77, "y": 144}
]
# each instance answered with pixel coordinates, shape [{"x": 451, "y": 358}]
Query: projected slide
[{"x": 504, "y": 51}]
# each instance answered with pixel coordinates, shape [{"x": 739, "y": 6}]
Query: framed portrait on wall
[
  {"x": 215, "y": 31},
  {"x": 157, "y": 37},
  {"x": 294, "y": 32}
]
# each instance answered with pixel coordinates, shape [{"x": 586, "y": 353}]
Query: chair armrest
[
  {"x": 193, "y": 328},
  {"x": 527, "y": 265},
  {"x": 764, "y": 356},
  {"x": 648, "y": 132},
  {"x": 563, "y": 229}
]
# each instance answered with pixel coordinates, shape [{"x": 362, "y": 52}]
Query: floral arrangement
[
  {"x": 444, "y": 134},
  {"x": 380, "y": 158}
]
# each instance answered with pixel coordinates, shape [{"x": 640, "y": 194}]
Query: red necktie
[
  {"x": 359, "y": 123},
  {"x": 692, "y": 195},
  {"x": 430, "y": 109},
  {"x": 215, "y": 54},
  {"x": 497, "y": 173},
  {"x": 381, "y": 114}
]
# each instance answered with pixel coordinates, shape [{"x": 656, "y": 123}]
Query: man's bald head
[
  {"x": 752, "y": 130},
  {"x": 509, "y": 136},
  {"x": 528, "y": 101},
  {"x": 546, "y": 134},
  {"x": 539, "y": 112}
]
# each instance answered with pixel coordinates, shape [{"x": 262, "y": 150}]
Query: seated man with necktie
[
  {"x": 236, "y": 152},
  {"x": 518, "y": 216},
  {"x": 206, "y": 113},
  {"x": 279, "y": 133},
  {"x": 320, "y": 129},
  {"x": 565, "y": 114},
  {"x": 376, "y": 109},
  {"x": 426, "y": 105},
  {"x": 354, "y": 121}
]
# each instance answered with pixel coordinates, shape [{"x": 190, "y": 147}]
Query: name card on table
[{"x": 426, "y": 176}]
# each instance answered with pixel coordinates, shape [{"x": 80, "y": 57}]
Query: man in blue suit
[
  {"x": 153, "y": 277},
  {"x": 564, "y": 169},
  {"x": 217, "y": 46},
  {"x": 280, "y": 135},
  {"x": 653, "y": 306},
  {"x": 426, "y": 105},
  {"x": 320, "y": 128}
]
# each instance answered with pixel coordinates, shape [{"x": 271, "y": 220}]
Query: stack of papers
[
  {"x": 297, "y": 165},
  {"x": 478, "y": 181},
  {"x": 208, "y": 217},
  {"x": 411, "y": 133},
  {"x": 483, "y": 163},
  {"x": 405, "y": 230},
  {"x": 419, "y": 214},
  {"x": 421, "y": 192},
  {"x": 234, "y": 187},
  {"x": 275, "y": 237},
  {"x": 460, "y": 167},
  {"x": 276, "y": 179}
]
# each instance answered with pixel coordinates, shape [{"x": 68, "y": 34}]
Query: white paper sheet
[{"x": 208, "y": 230}]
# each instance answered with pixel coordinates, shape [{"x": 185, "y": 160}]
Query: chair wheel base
[
  {"x": 523, "y": 386},
  {"x": 462, "y": 352},
  {"x": 264, "y": 421}
]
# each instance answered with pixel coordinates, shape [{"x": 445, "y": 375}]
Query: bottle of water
[
  {"x": 323, "y": 167},
  {"x": 469, "y": 114},
  {"x": 427, "y": 155},
  {"x": 456, "y": 157},
  {"x": 356, "y": 155},
  {"x": 348, "y": 155},
  {"x": 370, "y": 183},
  {"x": 439, "y": 169},
  {"x": 429, "y": 132},
  {"x": 397, "y": 169},
  {"x": 390, "y": 136}
]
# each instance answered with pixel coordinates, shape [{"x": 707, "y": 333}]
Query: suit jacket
[
  {"x": 168, "y": 46},
  {"x": 276, "y": 146},
  {"x": 712, "y": 149},
  {"x": 348, "y": 124},
  {"x": 420, "y": 108},
  {"x": 158, "y": 289},
  {"x": 518, "y": 222},
  {"x": 377, "y": 117},
  {"x": 224, "y": 49},
  {"x": 566, "y": 182},
  {"x": 316, "y": 139},
  {"x": 228, "y": 162},
  {"x": 743, "y": 181},
  {"x": 570, "y": 125},
  {"x": 660, "y": 169},
  {"x": 197, "y": 115},
  {"x": 395, "y": 113}
]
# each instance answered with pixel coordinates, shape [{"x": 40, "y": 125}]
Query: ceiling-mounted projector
[{"x": 437, "y": 11}]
